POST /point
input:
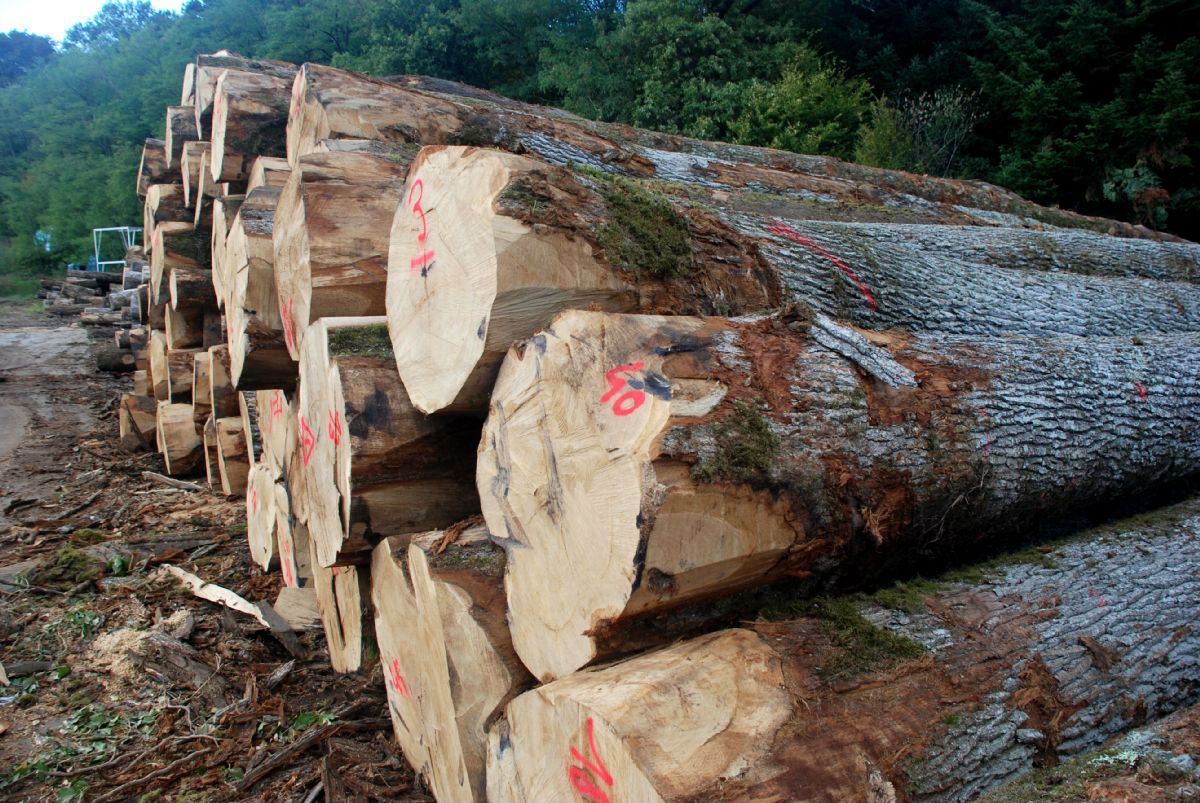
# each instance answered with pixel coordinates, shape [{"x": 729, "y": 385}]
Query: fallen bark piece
[
  {"x": 447, "y": 656},
  {"x": 637, "y": 463},
  {"x": 940, "y": 714},
  {"x": 487, "y": 247},
  {"x": 331, "y": 237},
  {"x": 374, "y": 466},
  {"x": 171, "y": 481},
  {"x": 215, "y": 593}
]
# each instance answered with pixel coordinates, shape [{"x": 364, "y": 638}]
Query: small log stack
[{"x": 515, "y": 395}]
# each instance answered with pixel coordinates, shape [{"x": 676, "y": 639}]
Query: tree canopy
[{"x": 1092, "y": 105}]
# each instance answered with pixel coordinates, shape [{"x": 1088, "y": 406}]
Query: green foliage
[
  {"x": 21, "y": 52},
  {"x": 813, "y": 108},
  {"x": 643, "y": 232},
  {"x": 69, "y": 566},
  {"x": 361, "y": 341},
  {"x": 884, "y": 140},
  {"x": 746, "y": 447}
]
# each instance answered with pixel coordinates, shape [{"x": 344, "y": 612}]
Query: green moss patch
[
  {"x": 746, "y": 447},
  {"x": 644, "y": 233},
  {"x": 361, "y": 341},
  {"x": 69, "y": 566}
]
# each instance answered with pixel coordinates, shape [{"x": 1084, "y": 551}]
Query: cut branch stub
[
  {"x": 466, "y": 276},
  {"x": 331, "y": 237},
  {"x": 637, "y": 463},
  {"x": 374, "y": 466}
]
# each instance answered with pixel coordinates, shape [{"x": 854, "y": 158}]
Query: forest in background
[{"x": 1092, "y": 106}]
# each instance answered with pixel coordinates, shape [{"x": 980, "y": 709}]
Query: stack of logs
[{"x": 515, "y": 394}]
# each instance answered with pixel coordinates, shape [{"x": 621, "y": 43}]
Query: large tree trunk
[
  {"x": 268, "y": 171},
  {"x": 180, "y": 368},
  {"x": 191, "y": 165},
  {"x": 137, "y": 422},
  {"x": 374, "y": 466},
  {"x": 488, "y": 246},
  {"x": 1039, "y": 660},
  {"x": 208, "y": 70},
  {"x": 202, "y": 386},
  {"x": 180, "y": 128},
  {"x": 222, "y": 396},
  {"x": 164, "y": 209},
  {"x": 981, "y": 281},
  {"x": 708, "y": 455},
  {"x": 329, "y": 103},
  {"x": 179, "y": 439},
  {"x": 258, "y": 349},
  {"x": 232, "y": 456},
  {"x": 153, "y": 168},
  {"x": 249, "y": 120},
  {"x": 447, "y": 656},
  {"x": 184, "y": 326},
  {"x": 331, "y": 237},
  {"x": 188, "y": 250},
  {"x": 224, "y": 212},
  {"x": 343, "y": 597}
]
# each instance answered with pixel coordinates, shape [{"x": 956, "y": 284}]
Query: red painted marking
[
  {"x": 398, "y": 679},
  {"x": 289, "y": 326},
  {"x": 1092, "y": 593},
  {"x": 334, "y": 427},
  {"x": 796, "y": 237},
  {"x": 276, "y": 409},
  {"x": 628, "y": 401},
  {"x": 253, "y": 500},
  {"x": 423, "y": 261},
  {"x": 308, "y": 441},
  {"x": 286, "y": 548},
  {"x": 580, "y": 778},
  {"x": 1141, "y": 390}
]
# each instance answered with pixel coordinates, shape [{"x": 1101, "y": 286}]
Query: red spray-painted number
[
  {"x": 276, "y": 410},
  {"x": 799, "y": 239},
  {"x": 628, "y": 401},
  {"x": 285, "y": 549},
  {"x": 398, "y": 679},
  {"x": 423, "y": 261},
  {"x": 308, "y": 441},
  {"x": 1141, "y": 390},
  {"x": 584, "y": 778},
  {"x": 1092, "y": 593},
  {"x": 253, "y": 500},
  {"x": 334, "y": 427}
]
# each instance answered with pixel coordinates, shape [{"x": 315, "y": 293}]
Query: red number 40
[{"x": 628, "y": 401}]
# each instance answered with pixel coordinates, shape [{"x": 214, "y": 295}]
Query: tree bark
[
  {"x": 249, "y": 120},
  {"x": 708, "y": 455},
  {"x": 1066, "y": 659},
  {"x": 153, "y": 168},
  {"x": 208, "y": 70},
  {"x": 232, "y": 457},
  {"x": 488, "y": 246},
  {"x": 179, "y": 439},
  {"x": 981, "y": 281},
  {"x": 373, "y": 465},
  {"x": 447, "y": 656},
  {"x": 258, "y": 351},
  {"x": 179, "y": 129},
  {"x": 191, "y": 166},
  {"x": 120, "y": 361},
  {"x": 331, "y": 237}
]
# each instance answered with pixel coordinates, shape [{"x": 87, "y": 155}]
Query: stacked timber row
[{"x": 512, "y": 394}]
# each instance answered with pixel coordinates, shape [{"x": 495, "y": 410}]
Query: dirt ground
[{"x": 93, "y": 635}]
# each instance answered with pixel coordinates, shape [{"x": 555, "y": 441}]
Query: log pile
[{"x": 514, "y": 394}]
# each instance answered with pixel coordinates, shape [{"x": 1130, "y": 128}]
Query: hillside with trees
[{"x": 1090, "y": 106}]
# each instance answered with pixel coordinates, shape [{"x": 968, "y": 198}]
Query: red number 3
[
  {"x": 628, "y": 401},
  {"x": 420, "y": 262}
]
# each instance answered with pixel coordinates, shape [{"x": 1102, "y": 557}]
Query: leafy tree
[
  {"x": 116, "y": 20},
  {"x": 21, "y": 52}
]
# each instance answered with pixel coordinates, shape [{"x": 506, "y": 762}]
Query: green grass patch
[
  {"x": 361, "y": 341},
  {"x": 18, "y": 287}
]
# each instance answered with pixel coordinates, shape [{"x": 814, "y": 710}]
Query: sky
[{"x": 53, "y": 17}]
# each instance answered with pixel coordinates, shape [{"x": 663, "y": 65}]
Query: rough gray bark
[{"x": 982, "y": 281}]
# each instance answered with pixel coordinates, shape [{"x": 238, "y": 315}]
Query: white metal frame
[{"x": 129, "y": 237}]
